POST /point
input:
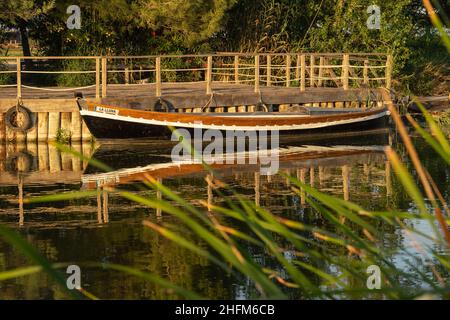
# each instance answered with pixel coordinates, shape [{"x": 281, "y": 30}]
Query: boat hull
[
  {"x": 104, "y": 128},
  {"x": 110, "y": 122}
]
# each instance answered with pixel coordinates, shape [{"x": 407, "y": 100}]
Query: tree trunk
[{"x": 24, "y": 39}]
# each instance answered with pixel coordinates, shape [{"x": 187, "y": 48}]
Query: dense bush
[
  {"x": 142, "y": 27},
  {"x": 75, "y": 79},
  {"x": 5, "y": 78}
]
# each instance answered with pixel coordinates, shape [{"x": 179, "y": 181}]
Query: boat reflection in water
[
  {"x": 326, "y": 162},
  {"x": 306, "y": 158}
]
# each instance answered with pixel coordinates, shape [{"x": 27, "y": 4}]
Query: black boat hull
[{"x": 104, "y": 128}]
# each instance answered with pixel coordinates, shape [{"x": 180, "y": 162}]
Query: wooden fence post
[
  {"x": 346, "y": 182},
  {"x": 158, "y": 76},
  {"x": 236, "y": 69},
  {"x": 159, "y": 196},
  {"x": 209, "y": 76},
  {"x": 302, "y": 72},
  {"x": 321, "y": 64},
  {"x": 288, "y": 70},
  {"x": 257, "y": 73},
  {"x": 389, "y": 65},
  {"x": 345, "y": 70},
  {"x": 311, "y": 72},
  {"x": 127, "y": 75},
  {"x": 366, "y": 72},
  {"x": 97, "y": 78},
  {"x": 104, "y": 77},
  {"x": 257, "y": 188},
  {"x": 269, "y": 70},
  {"x": 19, "y": 78}
]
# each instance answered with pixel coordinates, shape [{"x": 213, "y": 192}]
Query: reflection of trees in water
[
  {"x": 30, "y": 287},
  {"x": 369, "y": 184},
  {"x": 126, "y": 243}
]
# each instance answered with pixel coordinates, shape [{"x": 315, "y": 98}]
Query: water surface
[{"x": 108, "y": 228}]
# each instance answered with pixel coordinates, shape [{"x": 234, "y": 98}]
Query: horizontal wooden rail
[
  {"x": 218, "y": 54},
  {"x": 288, "y": 69}
]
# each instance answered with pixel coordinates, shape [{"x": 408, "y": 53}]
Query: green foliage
[
  {"x": 341, "y": 26},
  {"x": 443, "y": 119},
  {"x": 62, "y": 136},
  {"x": 427, "y": 72},
  {"x": 138, "y": 27},
  {"x": 262, "y": 26},
  {"x": 5, "y": 78},
  {"x": 76, "y": 79},
  {"x": 107, "y": 27},
  {"x": 185, "y": 63},
  {"x": 345, "y": 30},
  {"x": 19, "y": 14},
  {"x": 196, "y": 20},
  {"x": 12, "y": 12}
]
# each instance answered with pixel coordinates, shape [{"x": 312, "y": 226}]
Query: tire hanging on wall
[
  {"x": 163, "y": 106},
  {"x": 18, "y": 118}
]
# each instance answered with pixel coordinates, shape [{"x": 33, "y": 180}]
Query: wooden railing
[{"x": 300, "y": 70}]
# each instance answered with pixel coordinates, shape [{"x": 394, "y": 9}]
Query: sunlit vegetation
[
  {"x": 306, "y": 259},
  {"x": 140, "y": 27}
]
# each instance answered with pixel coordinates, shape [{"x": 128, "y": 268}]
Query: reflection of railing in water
[
  {"x": 301, "y": 175},
  {"x": 312, "y": 170},
  {"x": 42, "y": 163}
]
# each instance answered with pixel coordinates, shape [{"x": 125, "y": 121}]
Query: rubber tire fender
[
  {"x": 163, "y": 106},
  {"x": 12, "y": 113}
]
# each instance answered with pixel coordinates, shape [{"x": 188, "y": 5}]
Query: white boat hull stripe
[{"x": 233, "y": 127}]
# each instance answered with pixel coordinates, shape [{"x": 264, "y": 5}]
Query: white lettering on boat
[{"x": 106, "y": 110}]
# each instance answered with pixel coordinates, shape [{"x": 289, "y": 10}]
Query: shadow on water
[{"x": 108, "y": 228}]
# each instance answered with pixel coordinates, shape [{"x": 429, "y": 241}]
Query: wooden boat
[{"x": 113, "y": 122}]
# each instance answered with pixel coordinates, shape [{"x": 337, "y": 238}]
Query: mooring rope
[
  {"x": 57, "y": 72},
  {"x": 56, "y": 90},
  {"x": 261, "y": 101},
  {"x": 207, "y": 105}
]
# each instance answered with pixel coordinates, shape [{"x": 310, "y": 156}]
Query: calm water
[{"x": 108, "y": 228}]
